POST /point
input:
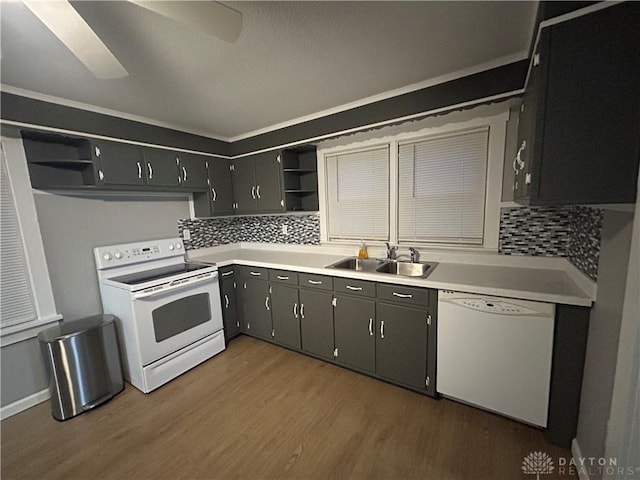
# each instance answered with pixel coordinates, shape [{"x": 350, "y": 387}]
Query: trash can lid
[{"x": 74, "y": 327}]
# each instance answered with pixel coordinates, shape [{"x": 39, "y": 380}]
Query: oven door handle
[{"x": 172, "y": 287}]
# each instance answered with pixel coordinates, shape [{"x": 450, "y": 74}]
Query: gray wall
[
  {"x": 604, "y": 332},
  {"x": 72, "y": 225}
]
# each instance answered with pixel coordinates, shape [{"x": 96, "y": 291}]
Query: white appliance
[
  {"x": 168, "y": 310},
  {"x": 495, "y": 353}
]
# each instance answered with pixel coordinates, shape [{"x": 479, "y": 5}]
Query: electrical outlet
[
  {"x": 285, "y": 230},
  {"x": 186, "y": 234}
]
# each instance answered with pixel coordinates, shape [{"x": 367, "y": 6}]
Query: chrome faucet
[
  {"x": 415, "y": 255},
  {"x": 391, "y": 251}
]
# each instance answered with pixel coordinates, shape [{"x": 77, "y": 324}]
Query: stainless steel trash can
[{"x": 83, "y": 360}]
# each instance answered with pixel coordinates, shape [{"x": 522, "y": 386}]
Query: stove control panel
[{"x": 130, "y": 253}]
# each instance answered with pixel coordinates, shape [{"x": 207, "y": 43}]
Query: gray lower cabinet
[
  {"x": 255, "y": 308},
  {"x": 354, "y": 325},
  {"x": 401, "y": 345},
  {"x": 230, "y": 316},
  {"x": 285, "y": 315},
  {"x": 316, "y": 322}
]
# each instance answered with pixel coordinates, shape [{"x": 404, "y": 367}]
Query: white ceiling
[{"x": 293, "y": 60}]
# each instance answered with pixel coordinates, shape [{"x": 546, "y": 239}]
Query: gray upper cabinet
[
  {"x": 577, "y": 143},
  {"x": 220, "y": 184},
  {"x": 193, "y": 171},
  {"x": 354, "y": 326},
  {"x": 161, "y": 167},
  {"x": 257, "y": 183},
  {"x": 120, "y": 163}
]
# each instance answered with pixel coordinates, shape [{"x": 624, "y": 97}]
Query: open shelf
[{"x": 300, "y": 178}]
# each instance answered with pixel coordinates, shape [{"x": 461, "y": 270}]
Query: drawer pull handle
[
  {"x": 282, "y": 277},
  {"x": 382, "y": 329},
  {"x": 315, "y": 282},
  {"x": 371, "y": 326},
  {"x": 402, "y": 295},
  {"x": 255, "y": 274},
  {"x": 355, "y": 289},
  {"x": 226, "y": 274}
]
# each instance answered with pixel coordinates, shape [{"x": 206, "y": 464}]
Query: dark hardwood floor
[{"x": 260, "y": 411}]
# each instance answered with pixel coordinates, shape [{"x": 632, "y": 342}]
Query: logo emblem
[{"x": 537, "y": 463}]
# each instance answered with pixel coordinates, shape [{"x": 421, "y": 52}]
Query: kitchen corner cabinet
[
  {"x": 578, "y": 141},
  {"x": 228, "y": 286},
  {"x": 257, "y": 183},
  {"x": 218, "y": 199},
  {"x": 255, "y": 314}
]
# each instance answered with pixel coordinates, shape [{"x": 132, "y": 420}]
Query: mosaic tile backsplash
[
  {"x": 572, "y": 232},
  {"x": 211, "y": 232}
]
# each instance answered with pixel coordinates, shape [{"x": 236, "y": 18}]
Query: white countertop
[{"x": 539, "y": 279}]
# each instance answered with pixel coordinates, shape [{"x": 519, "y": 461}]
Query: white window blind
[
  {"x": 17, "y": 303},
  {"x": 441, "y": 188},
  {"x": 358, "y": 195}
]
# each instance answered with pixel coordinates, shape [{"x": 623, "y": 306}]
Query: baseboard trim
[
  {"x": 24, "y": 403},
  {"x": 576, "y": 453}
]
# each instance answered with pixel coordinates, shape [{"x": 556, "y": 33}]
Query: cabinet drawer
[
  {"x": 260, "y": 273},
  {"x": 227, "y": 271},
  {"x": 315, "y": 281},
  {"x": 354, "y": 287},
  {"x": 283, "y": 276},
  {"x": 403, "y": 295}
]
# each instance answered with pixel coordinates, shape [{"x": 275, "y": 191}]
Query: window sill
[{"x": 20, "y": 333}]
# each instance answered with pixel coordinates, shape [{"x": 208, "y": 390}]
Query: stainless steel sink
[
  {"x": 406, "y": 269},
  {"x": 389, "y": 267},
  {"x": 358, "y": 264}
]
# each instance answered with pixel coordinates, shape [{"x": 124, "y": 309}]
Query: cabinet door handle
[
  {"x": 315, "y": 282},
  {"x": 302, "y": 310},
  {"x": 282, "y": 277},
  {"x": 371, "y": 326},
  {"x": 255, "y": 274},
  {"x": 382, "y": 329},
  {"x": 139, "y": 169},
  {"x": 355, "y": 289},
  {"x": 253, "y": 192},
  {"x": 213, "y": 192},
  {"x": 295, "y": 310},
  {"x": 238, "y": 323},
  {"x": 266, "y": 302},
  {"x": 402, "y": 295},
  {"x": 258, "y": 191},
  {"x": 518, "y": 164},
  {"x": 150, "y": 170},
  {"x": 226, "y": 274},
  {"x": 184, "y": 174},
  {"x": 226, "y": 301}
]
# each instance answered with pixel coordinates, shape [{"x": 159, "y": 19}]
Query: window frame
[
  {"x": 416, "y": 131},
  {"x": 37, "y": 269}
]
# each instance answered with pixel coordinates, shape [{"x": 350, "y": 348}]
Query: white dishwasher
[{"x": 495, "y": 353}]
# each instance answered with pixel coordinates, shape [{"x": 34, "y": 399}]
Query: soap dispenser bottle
[{"x": 363, "y": 253}]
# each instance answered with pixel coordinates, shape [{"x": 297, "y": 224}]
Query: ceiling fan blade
[
  {"x": 65, "y": 22},
  {"x": 211, "y": 18}
]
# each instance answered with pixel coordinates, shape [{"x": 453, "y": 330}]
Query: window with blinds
[
  {"x": 17, "y": 303},
  {"x": 358, "y": 195},
  {"x": 441, "y": 188}
]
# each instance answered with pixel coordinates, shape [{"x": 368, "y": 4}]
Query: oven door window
[{"x": 180, "y": 315}]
